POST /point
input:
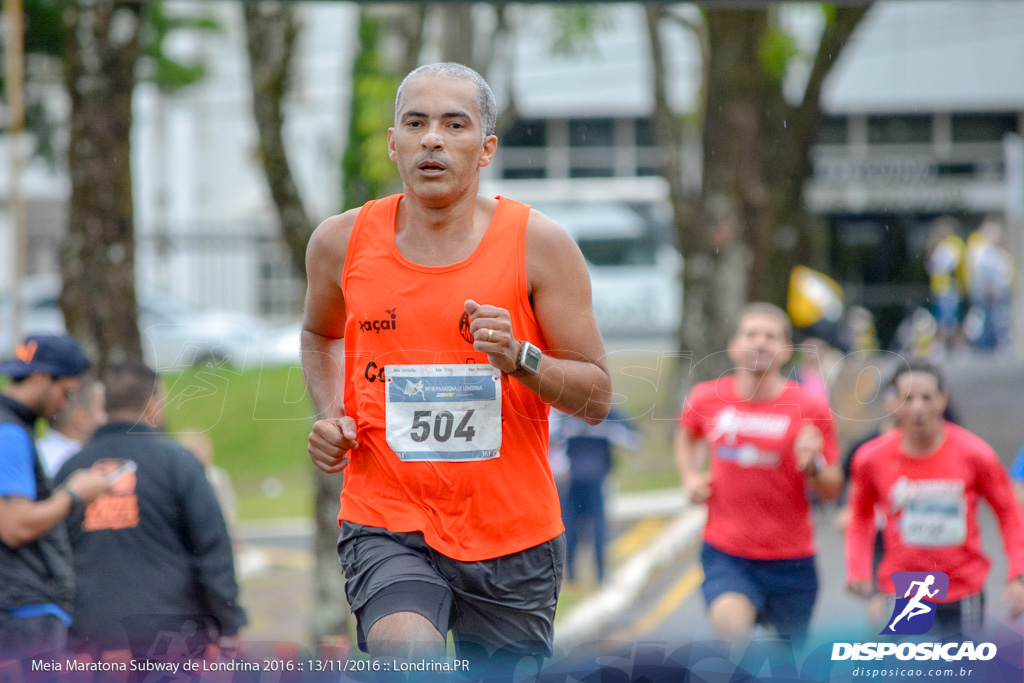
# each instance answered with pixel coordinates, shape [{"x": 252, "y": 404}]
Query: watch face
[{"x": 530, "y": 358}]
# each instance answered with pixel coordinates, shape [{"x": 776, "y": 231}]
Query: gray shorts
[{"x": 503, "y": 606}]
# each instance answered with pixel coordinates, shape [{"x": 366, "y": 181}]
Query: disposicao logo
[{"x": 914, "y": 613}]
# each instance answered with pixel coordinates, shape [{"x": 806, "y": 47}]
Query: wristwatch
[
  {"x": 76, "y": 501},
  {"x": 816, "y": 465},
  {"x": 528, "y": 359}
]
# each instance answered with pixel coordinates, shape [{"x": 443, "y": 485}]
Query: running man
[
  {"x": 769, "y": 441},
  {"x": 927, "y": 478},
  {"x": 916, "y": 607},
  {"x": 439, "y": 325}
]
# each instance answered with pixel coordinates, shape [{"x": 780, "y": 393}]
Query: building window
[
  {"x": 645, "y": 133},
  {"x": 592, "y": 132},
  {"x": 982, "y": 127},
  {"x": 524, "y": 173},
  {"x": 525, "y": 133},
  {"x": 280, "y": 288},
  {"x": 833, "y": 131},
  {"x": 900, "y": 129}
]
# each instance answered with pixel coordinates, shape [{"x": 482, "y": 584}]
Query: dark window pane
[
  {"x": 645, "y": 133},
  {"x": 591, "y": 172},
  {"x": 901, "y": 129},
  {"x": 982, "y": 127},
  {"x": 524, "y": 173},
  {"x": 618, "y": 251},
  {"x": 833, "y": 131},
  {"x": 592, "y": 132},
  {"x": 525, "y": 134}
]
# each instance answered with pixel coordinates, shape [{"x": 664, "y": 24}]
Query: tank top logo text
[{"x": 382, "y": 325}]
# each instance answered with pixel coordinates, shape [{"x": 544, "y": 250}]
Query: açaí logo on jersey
[
  {"x": 914, "y": 613},
  {"x": 388, "y": 322}
]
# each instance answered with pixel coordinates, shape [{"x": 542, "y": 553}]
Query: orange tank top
[{"x": 471, "y": 502}]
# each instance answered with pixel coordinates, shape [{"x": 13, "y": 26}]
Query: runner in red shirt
[
  {"x": 769, "y": 441},
  {"x": 927, "y": 478}
]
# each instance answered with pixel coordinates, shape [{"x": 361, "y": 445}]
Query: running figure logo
[
  {"x": 413, "y": 388},
  {"x": 914, "y": 613}
]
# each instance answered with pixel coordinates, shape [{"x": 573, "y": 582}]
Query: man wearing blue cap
[{"x": 36, "y": 579}]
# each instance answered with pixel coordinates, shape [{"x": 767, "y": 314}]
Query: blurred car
[
  {"x": 635, "y": 272},
  {"x": 175, "y": 336}
]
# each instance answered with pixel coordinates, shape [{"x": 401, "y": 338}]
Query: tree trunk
[
  {"x": 330, "y": 615},
  {"x": 801, "y": 237},
  {"x": 271, "y": 33},
  {"x": 734, "y": 200},
  {"x": 271, "y": 30},
  {"x": 457, "y": 44},
  {"x": 749, "y": 226},
  {"x": 98, "y": 254}
]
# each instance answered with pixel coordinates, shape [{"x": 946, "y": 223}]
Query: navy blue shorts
[{"x": 783, "y": 591}]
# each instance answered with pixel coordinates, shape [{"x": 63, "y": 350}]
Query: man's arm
[
  {"x": 860, "y": 533},
  {"x": 23, "y": 519},
  {"x": 573, "y": 374},
  {"x": 996, "y": 488},
  {"x": 690, "y": 456},
  {"x": 824, "y": 478},
  {"x": 323, "y": 348}
]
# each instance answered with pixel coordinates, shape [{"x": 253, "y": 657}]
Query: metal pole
[
  {"x": 14, "y": 66},
  {"x": 1013, "y": 156}
]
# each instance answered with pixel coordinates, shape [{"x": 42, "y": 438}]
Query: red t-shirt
[
  {"x": 758, "y": 507},
  {"x": 931, "y": 508}
]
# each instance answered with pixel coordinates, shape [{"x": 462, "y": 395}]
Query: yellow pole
[{"x": 14, "y": 66}]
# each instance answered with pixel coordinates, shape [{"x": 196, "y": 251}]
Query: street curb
[
  {"x": 628, "y": 507},
  {"x": 594, "y": 614}
]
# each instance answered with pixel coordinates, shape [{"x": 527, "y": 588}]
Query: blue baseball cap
[{"x": 58, "y": 355}]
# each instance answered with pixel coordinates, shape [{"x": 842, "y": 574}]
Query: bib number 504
[{"x": 442, "y": 426}]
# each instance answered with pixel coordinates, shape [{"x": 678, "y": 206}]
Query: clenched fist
[{"x": 330, "y": 442}]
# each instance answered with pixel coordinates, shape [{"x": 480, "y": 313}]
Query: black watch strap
[{"x": 76, "y": 500}]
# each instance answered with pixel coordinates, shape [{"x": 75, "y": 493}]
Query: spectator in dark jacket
[{"x": 153, "y": 557}]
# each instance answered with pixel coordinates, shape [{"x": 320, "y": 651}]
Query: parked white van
[{"x": 635, "y": 272}]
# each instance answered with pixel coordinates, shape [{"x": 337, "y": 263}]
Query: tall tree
[
  {"x": 748, "y": 227},
  {"x": 98, "y": 254},
  {"x": 100, "y": 45},
  {"x": 272, "y": 31}
]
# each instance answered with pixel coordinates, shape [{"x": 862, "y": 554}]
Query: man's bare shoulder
[
  {"x": 545, "y": 234},
  {"x": 332, "y": 235}
]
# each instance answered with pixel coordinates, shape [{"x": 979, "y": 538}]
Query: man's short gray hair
[{"x": 484, "y": 99}]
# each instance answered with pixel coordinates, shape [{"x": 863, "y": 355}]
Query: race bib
[
  {"x": 934, "y": 523},
  {"x": 449, "y": 413}
]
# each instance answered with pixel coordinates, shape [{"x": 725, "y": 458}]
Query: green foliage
[
  {"x": 830, "y": 13},
  {"x": 366, "y": 168},
  {"x": 575, "y": 28},
  {"x": 776, "y": 49},
  {"x": 44, "y": 27},
  {"x": 172, "y": 76}
]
